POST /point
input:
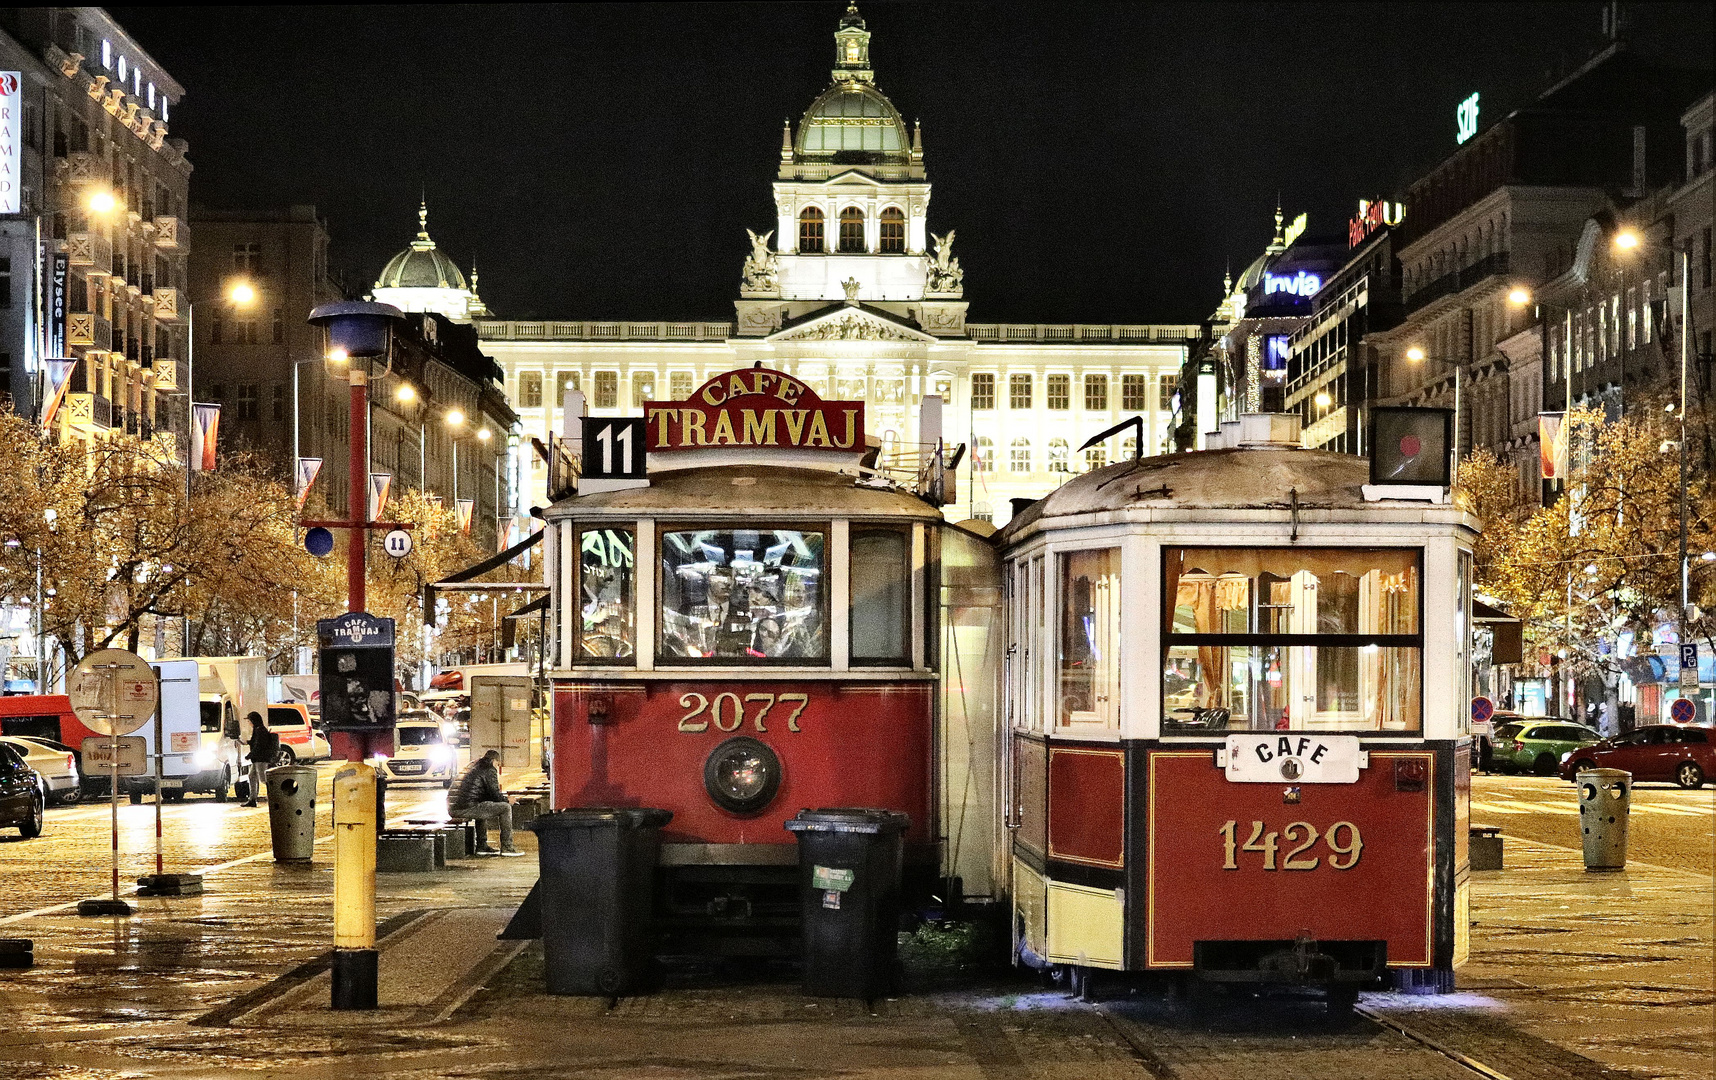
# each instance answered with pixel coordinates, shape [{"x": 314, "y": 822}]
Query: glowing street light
[
  {"x": 243, "y": 294},
  {"x": 1519, "y": 296},
  {"x": 1626, "y": 239},
  {"x": 483, "y": 435},
  {"x": 406, "y": 392},
  {"x": 1322, "y": 399},
  {"x": 337, "y": 356},
  {"x": 455, "y": 417},
  {"x": 1415, "y": 354},
  {"x": 103, "y": 202}
]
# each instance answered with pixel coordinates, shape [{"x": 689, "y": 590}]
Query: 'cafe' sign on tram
[{"x": 754, "y": 407}]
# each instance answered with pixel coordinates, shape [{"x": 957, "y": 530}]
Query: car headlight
[
  {"x": 742, "y": 775},
  {"x": 450, "y": 728},
  {"x": 206, "y": 759},
  {"x": 441, "y": 756}
]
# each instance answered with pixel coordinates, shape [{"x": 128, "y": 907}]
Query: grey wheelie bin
[
  {"x": 292, "y": 812},
  {"x": 1605, "y": 802},
  {"x": 596, "y": 891},
  {"x": 849, "y": 870}
]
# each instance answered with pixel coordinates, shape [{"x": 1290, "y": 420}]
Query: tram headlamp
[{"x": 742, "y": 775}]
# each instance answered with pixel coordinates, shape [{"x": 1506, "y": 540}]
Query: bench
[
  {"x": 410, "y": 850},
  {"x": 1486, "y": 847},
  {"x": 460, "y": 834}
]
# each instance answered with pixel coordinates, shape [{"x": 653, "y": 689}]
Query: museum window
[
  {"x": 1060, "y": 393},
  {"x": 893, "y": 231},
  {"x": 1132, "y": 390},
  {"x": 983, "y": 390},
  {"x": 983, "y": 454},
  {"x": 1058, "y": 456},
  {"x": 852, "y": 231},
  {"x": 1168, "y": 384},
  {"x": 1095, "y": 458},
  {"x": 810, "y": 231},
  {"x": 1096, "y": 393},
  {"x": 1019, "y": 391},
  {"x": 607, "y": 591},
  {"x": 607, "y": 389},
  {"x": 1020, "y": 459},
  {"x": 1291, "y": 639},
  {"x": 679, "y": 385},
  {"x": 743, "y": 594},
  {"x": 643, "y": 388},
  {"x": 530, "y": 389}
]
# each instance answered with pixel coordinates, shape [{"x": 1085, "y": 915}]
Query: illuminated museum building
[{"x": 850, "y": 290}]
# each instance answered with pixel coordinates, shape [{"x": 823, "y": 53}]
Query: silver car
[{"x": 54, "y": 762}]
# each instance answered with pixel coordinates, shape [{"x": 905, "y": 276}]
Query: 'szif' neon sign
[{"x": 1466, "y": 116}]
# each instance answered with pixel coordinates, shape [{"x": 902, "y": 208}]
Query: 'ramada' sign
[{"x": 755, "y": 407}]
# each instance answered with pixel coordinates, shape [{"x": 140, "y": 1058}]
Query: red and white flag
[
  {"x": 308, "y": 469},
  {"x": 380, "y": 483},
  {"x": 463, "y": 508},
  {"x": 57, "y": 377},
  {"x": 1552, "y": 444},
  {"x": 204, "y": 434}
]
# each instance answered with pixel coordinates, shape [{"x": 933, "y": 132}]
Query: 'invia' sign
[
  {"x": 1300, "y": 284},
  {"x": 1466, "y": 117}
]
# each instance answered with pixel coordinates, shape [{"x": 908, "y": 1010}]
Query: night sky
[{"x": 1101, "y": 163}]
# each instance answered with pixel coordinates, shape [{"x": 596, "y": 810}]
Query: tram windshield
[
  {"x": 606, "y": 567},
  {"x": 743, "y": 594},
  {"x": 1291, "y": 639}
]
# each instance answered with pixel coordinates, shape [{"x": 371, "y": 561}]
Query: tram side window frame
[
  {"x": 579, "y": 655},
  {"x": 903, "y": 582},
  {"x": 1254, "y": 638},
  {"x": 822, "y": 527}
]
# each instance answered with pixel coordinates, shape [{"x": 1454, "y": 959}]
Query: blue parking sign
[{"x": 1689, "y": 667}]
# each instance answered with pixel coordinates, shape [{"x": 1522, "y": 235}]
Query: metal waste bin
[
  {"x": 596, "y": 890},
  {"x": 292, "y": 812},
  {"x": 1605, "y": 800},
  {"x": 849, "y": 872}
]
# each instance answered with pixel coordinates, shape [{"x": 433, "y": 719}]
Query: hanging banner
[
  {"x": 504, "y": 534},
  {"x": 1552, "y": 444},
  {"x": 57, "y": 304},
  {"x": 204, "y": 434},
  {"x": 308, "y": 469},
  {"x": 380, "y": 483},
  {"x": 56, "y": 376},
  {"x": 463, "y": 508},
  {"x": 11, "y": 142}
]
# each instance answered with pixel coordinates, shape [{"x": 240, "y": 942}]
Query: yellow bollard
[{"x": 355, "y": 827}]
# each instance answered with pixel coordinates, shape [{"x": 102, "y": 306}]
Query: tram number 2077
[
  {"x": 1343, "y": 854},
  {"x": 727, "y": 711}
]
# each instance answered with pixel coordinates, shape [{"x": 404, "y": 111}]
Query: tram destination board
[{"x": 614, "y": 448}]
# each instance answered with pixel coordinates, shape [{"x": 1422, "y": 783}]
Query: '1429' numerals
[
  {"x": 727, "y": 712},
  {"x": 1303, "y": 836}
]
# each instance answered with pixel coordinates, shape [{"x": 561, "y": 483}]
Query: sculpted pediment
[{"x": 849, "y": 323}]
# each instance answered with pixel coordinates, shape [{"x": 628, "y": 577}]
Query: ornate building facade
[{"x": 852, "y": 292}]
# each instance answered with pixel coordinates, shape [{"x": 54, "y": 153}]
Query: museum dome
[
  {"x": 852, "y": 116},
  {"x": 421, "y": 265}
]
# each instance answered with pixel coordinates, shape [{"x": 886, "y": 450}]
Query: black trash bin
[
  {"x": 849, "y": 871},
  {"x": 597, "y": 870}
]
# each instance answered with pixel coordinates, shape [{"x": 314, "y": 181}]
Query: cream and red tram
[
  {"x": 1236, "y": 701},
  {"x": 761, "y": 627}
]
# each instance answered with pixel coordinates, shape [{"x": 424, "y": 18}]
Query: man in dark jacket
[
  {"x": 264, "y": 748},
  {"x": 477, "y": 794}
]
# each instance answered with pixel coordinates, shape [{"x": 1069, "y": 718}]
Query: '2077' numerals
[
  {"x": 727, "y": 712},
  {"x": 1302, "y": 835}
]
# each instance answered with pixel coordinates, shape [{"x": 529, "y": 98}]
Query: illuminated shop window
[
  {"x": 1291, "y": 639},
  {"x": 607, "y": 591},
  {"x": 743, "y": 594},
  {"x": 810, "y": 231},
  {"x": 893, "y": 231}
]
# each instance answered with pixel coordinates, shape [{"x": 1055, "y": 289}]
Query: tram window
[
  {"x": 1090, "y": 638},
  {"x": 607, "y": 595},
  {"x": 881, "y": 590},
  {"x": 1278, "y": 639},
  {"x": 743, "y": 594}
]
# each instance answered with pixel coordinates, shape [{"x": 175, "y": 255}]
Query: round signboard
[
  {"x": 113, "y": 692},
  {"x": 318, "y": 541},
  {"x": 1482, "y": 709},
  {"x": 1683, "y": 711},
  {"x": 397, "y": 543}
]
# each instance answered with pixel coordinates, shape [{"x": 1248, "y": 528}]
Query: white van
[{"x": 420, "y": 753}]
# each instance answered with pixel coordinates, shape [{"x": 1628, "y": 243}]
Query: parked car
[
  {"x": 291, "y": 721},
  {"x": 55, "y": 763},
  {"x": 1536, "y": 746},
  {"x": 1685, "y": 755},
  {"x": 421, "y": 752},
  {"x": 21, "y": 801}
]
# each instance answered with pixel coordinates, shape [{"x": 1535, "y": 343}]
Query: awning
[
  {"x": 1508, "y": 643},
  {"x": 539, "y": 604}
]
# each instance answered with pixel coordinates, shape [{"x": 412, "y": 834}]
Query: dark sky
[{"x": 1101, "y": 162}]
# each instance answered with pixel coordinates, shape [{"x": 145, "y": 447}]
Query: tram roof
[
  {"x": 752, "y": 490},
  {"x": 1273, "y": 478}
]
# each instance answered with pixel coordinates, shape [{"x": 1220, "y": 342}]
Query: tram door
[{"x": 1027, "y": 749}]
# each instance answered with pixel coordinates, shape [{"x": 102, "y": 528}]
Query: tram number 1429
[{"x": 1302, "y": 835}]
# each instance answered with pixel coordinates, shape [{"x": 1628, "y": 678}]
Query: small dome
[
  {"x": 853, "y": 117},
  {"x": 421, "y": 266}
]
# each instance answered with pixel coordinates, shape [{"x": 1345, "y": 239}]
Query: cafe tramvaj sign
[{"x": 755, "y": 407}]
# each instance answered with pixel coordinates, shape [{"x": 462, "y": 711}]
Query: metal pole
[
  {"x": 190, "y": 422},
  {"x": 422, "y": 458},
  {"x": 358, "y": 476},
  {"x": 455, "y": 474},
  {"x": 160, "y": 866},
  {"x": 1567, "y": 493},
  {"x": 295, "y": 449},
  {"x": 1685, "y": 348}
]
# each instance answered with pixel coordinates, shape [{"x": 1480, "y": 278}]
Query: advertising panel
[{"x": 11, "y": 142}]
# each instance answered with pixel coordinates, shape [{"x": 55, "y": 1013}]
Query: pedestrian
[
  {"x": 477, "y": 796},
  {"x": 264, "y": 748}
]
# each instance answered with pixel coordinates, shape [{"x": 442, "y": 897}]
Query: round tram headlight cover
[{"x": 742, "y": 775}]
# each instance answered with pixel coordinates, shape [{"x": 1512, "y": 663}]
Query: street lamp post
[{"x": 1417, "y": 355}]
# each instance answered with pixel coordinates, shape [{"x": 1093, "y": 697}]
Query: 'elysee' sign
[{"x": 755, "y": 407}]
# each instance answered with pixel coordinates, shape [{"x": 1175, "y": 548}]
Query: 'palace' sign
[{"x": 755, "y": 407}]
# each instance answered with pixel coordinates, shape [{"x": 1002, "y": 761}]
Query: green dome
[
  {"x": 421, "y": 266},
  {"x": 852, "y": 116}
]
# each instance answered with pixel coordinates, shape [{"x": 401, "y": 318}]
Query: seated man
[{"x": 477, "y": 795}]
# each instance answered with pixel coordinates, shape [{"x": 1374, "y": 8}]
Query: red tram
[
  {"x": 760, "y": 627},
  {"x": 1236, "y": 710}
]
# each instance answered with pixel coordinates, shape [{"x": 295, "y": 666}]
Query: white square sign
[{"x": 1293, "y": 758}]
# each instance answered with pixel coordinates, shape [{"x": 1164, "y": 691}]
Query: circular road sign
[
  {"x": 1683, "y": 711},
  {"x": 397, "y": 543},
  {"x": 1482, "y": 709},
  {"x": 318, "y": 541},
  {"x": 113, "y": 692}
]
